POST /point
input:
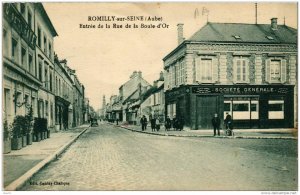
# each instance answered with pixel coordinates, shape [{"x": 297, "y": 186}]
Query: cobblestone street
[{"x": 111, "y": 158}]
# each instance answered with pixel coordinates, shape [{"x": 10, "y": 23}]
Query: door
[{"x": 207, "y": 106}]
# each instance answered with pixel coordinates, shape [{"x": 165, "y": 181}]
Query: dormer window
[
  {"x": 270, "y": 38},
  {"x": 237, "y": 37}
]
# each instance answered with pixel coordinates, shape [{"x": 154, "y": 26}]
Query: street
[{"x": 112, "y": 158}]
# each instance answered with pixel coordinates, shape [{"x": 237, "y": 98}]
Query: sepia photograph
[{"x": 150, "y": 96}]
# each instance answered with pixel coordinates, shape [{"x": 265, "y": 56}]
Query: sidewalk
[
  {"x": 30, "y": 159},
  {"x": 239, "y": 133}
]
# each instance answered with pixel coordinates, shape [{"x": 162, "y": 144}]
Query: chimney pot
[
  {"x": 180, "y": 33},
  {"x": 274, "y": 23}
]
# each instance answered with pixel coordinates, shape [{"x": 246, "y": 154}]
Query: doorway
[{"x": 207, "y": 106}]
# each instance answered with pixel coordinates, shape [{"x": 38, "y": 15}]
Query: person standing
[
  {"x": 174, "y": 123},
  {"x": 144, "y": 123},
  {"x": 153, "y": 123},
  {"x": 216, "y": 124},
  {"x": 228, "y": 121},
  {"x": 168, "y": 123},
  {"x": 157, "y": 124}
]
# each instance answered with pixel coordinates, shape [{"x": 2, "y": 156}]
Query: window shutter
[
  {"x": 198, "y": 69},
  {"x": 247, "y": 70},
  {"x": 234, "y": 70},
  {"x": 267, "y": 70},
  {"x": 215, "y": 71},
  {"x": 283, "y": 71}
]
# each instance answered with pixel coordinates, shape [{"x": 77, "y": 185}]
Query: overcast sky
[{"x": 105, "y": 58}]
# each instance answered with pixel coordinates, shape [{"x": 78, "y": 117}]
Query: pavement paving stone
[
  {"x": 18, "y": 162},
  {"x": 109, "y": 158}
]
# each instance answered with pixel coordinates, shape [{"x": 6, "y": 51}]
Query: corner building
[{"x": 247, "y": 70}]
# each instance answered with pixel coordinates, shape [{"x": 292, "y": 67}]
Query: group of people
[
  {"x": 176, "y": 123},
  {"x": 216, "y": 122}
]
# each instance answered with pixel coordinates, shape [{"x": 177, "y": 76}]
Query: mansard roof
[{"x": 245, "y": 33}]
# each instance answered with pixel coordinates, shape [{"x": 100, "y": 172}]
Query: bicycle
[{"x": 229, "y": 130}]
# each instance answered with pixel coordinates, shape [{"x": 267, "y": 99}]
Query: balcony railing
[{"x": 15, "y": 18}]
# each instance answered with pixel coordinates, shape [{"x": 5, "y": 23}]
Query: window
[
  {"x": 46, "y": 76},
  {"x": 275, "y": 71},
  {"x": 23, "y": 9},
  {"x": 49, "y": 50},
  {"x": 50, "y": 81},
  {"x": 204, "y": 70},
  {"x": 40, "y": 69},
  {"x": 24, "y": 57},
  {"x": 45, "y": 45},
  {"x": 237, "y": 37},
  {"x": 276, "y": 109},
  {"x": 7, "y": 102},
  {"x": 241, "y": 70},
  {"x": 29, "y": 19},
  {"x": 39, "y": 38},
  {"x": 5, "y": 42},
  {"x": 180, "y": 77},
  {"x": 33, "y": 104},
  {"x": 242, "y": 108},
  {"x": 26, "y": 100},
  {"x": 30, "y": 63},
  {"x": 14, "y": 49},
  {"x": 46, "y": 109}
]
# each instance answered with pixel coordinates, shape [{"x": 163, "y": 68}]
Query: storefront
[{"x": 251, "y": 106}]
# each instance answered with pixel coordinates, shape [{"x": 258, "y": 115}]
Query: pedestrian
[
  {"x": 174, "y": 123},
  {"x": 153, "y": 123},
  {"x": 228, "y": 121},
  {"x": 168, "y": 123},
  {"x": 180, "y": 123},
  {"x": 216, "y": 124},
  {"x": 157, "y": 124},
  {"x": 143, "y": 123}
]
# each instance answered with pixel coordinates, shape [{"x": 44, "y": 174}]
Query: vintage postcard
[{"x": 164, "y": 96}]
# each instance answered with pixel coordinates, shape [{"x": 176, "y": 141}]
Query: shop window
[
  {"x": 276, "y": 70},
  {"x": 46, "y": 109},
  {"x": 33, "y": 104},
  {"x": 245, "y": 109},
  {"x": 171, "y": 110},
  {"x": 240, "y": 107},
  {"x": 276, "y": 109},
  {"x": 241, "y": 67}
]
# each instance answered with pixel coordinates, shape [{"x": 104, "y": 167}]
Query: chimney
[
  {"x": 139, "y": 74},
  {"x": 133, "y": 74},
  {"x": 180, "y": 33},
  {"x": 274, "y": 23},
  {"x": 161, "y": 76}
]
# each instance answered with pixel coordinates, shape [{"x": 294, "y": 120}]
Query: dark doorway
[{"x": 207, "y": 106}]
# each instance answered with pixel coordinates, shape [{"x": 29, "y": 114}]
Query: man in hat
[{"x": 216, "y": 124}]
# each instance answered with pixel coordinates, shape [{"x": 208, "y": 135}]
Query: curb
[
  {"x": 18, "y": 183},
  {"x": 206, "y": 136}
]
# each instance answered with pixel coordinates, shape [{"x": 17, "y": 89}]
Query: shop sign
[
  {"x": 239, "y": 90},
  {"x": 15, "y": 18}
]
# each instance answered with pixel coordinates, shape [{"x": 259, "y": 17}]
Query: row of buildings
[
  {"x": 33, "y": 75},
  {"x": 247, "y": 70}
]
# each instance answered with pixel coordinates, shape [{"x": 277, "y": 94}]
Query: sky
[{"x": 104, "y": 58}]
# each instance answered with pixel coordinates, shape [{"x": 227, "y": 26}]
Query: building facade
[
  {"x": 32, "y": 77},
  {"x": 63, "y": 95},
  {"x": 246, "y": 70}
]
